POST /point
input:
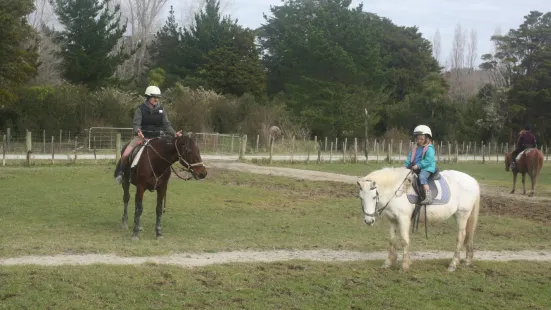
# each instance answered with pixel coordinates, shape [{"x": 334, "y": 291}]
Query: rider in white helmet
[
  {"x": 421, "y": 158},
  {"x": 150, "y": 119}
]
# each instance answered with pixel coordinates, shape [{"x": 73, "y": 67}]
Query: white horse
[{"x": 386, "y": 192}]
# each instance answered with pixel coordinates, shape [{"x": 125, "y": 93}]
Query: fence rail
[{"x": 103, "y": 143}]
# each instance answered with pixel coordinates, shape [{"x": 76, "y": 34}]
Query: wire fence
[{"x": 102, "y": 142}]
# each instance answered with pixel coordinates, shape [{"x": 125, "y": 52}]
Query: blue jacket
[{"x": 427, "y": 163}]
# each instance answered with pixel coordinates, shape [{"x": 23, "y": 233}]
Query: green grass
[
  {"x": 288, "y": 285},
  {"x": 77, "y": 209},
  {"x": 492, "y": 174}
]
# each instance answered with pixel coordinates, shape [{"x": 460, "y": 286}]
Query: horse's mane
[{"x": 388, "y": 177}]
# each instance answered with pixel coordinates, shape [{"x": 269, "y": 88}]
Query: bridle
[
  {"x": 374, "y": 187},
  {"x": 187, "y": 166}
]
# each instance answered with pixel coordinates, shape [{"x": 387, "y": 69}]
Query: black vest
[{"x": 152, "y": 121}]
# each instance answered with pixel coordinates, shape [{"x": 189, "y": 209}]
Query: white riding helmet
[
  {"x": 422, "y": 130},
  {"x": 153, "y": 91}
]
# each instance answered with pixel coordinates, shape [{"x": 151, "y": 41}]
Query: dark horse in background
[
  {"x": 153, "y": 171},
  {"x": 529, "y": 161}
]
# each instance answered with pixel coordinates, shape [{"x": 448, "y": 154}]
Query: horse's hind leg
[
  {"x": 461, "y": 232},
  {"x": 533, "y": 179},
  {"x": 524, "y": 183},
  {"x": 514, "y": 182},
  {"x": 126, "y": 199},
  {"x": 138, "y": 212},
  {"x": 161, "y": 193}
]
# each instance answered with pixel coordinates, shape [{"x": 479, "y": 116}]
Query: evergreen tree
[
  {"x": 89, "y": 42},
  {"x": 166, "y": 50},
  {"x": 18, "y": 57}
]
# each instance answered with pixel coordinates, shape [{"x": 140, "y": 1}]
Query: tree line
[{"x": 314, "y": 67}]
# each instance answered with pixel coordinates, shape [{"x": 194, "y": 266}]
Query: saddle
[{"x": 418, "y": 188}]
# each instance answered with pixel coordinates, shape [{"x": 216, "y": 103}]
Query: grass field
[
  {"x": 69, "y": 209},
  {"x": 77, "y": 209},
  {"x": 289, "y": 285}
]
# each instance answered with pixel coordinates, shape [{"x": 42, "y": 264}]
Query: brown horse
[
  {"x": 153, "y": 173},
  {"x": 531, "y": 162}
]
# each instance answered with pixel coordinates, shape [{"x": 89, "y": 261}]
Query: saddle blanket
[
  {"x": 440, "y": 186},
  {"x": 140, "y": 151},
  {"x": 524, "y": 152}
]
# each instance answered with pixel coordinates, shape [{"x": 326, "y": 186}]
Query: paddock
[{"x": 251, "y": 236}]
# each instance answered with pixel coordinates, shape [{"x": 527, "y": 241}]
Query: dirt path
[{"x": 197, "y": 260}]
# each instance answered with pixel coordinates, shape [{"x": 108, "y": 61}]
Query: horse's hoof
[
  {"x": 452, "y": 268},
  {"x": 531, "y": 195},
  {"x": 135, "y": 238},
  {"x": 141, "y": 228},
  {"x": 124, "y": 226},
  {"x": 159, "y": 237},
  {"x": 512, "y": 192}
]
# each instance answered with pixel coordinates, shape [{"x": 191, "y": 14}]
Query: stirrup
[{"x": 428, "y": 198}]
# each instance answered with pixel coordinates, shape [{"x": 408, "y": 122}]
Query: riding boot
[
  {"x": 122, "y": 168},
  {"x": 513, "y": 164},
  {"x": 428, "y": 198}
]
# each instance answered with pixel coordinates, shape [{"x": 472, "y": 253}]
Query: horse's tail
[{"x": 472, "y": 221}]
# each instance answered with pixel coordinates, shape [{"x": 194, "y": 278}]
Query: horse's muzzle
[
  {"x": 369, "y": 220},
  {"x": 201, "y": 172}
]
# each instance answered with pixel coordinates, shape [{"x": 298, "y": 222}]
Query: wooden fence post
[
  {"x": 76, "y": 145},
  {"x": 53, "y": 150},
  {"x": 271, "y": 148},
  {"x": 355, "y": 150},
  {"x": 118, "y": 147},
  {"x": 331, "y": 153},
  {"x": 293, "y": 148},
  {"x": 44, "y": 140},
  {"x": 4, "y": 146},
  {"x": 243, "y": 149},
  {"x": 29, "y": 147}
]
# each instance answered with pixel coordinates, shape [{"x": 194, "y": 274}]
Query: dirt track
[
  {"x": 197, "y": 260},
  {"x": 494, "y": 201}
]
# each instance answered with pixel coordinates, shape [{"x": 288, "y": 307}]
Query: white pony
[{"x": 388, "y": 192}]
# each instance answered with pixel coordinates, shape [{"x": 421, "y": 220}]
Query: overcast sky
[{"x": 483, "y": 15}]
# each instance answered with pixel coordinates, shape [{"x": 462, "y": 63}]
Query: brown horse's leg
[
  {"x": 524, "y": 183},
  {"x": 161, "y": 192},
  {"x": 138, "y": 212},
  {"x": 125, "y": 199},
  {"x": 514, "y": 181}
]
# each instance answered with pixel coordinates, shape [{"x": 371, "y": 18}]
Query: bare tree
[
  {"x": 43, "y": 14},
  {"x": 142, "y": 17},
  {"x": 457, "y": 62},
  {"x": 437, "y": 45},
  {"x": 41, "y": 18},
  {"x": 472, "y": 50}
]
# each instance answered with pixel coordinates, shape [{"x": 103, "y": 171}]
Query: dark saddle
[{"x": 418, "y": 188}]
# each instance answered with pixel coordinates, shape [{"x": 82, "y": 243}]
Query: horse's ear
[{"x": 359, "y": 184}]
